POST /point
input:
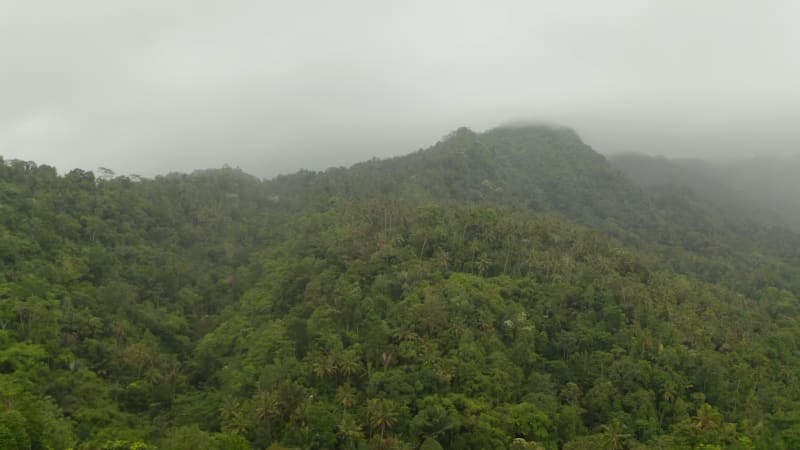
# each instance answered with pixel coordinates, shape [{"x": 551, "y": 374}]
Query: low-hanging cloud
[{"x": 150, "y": 87}]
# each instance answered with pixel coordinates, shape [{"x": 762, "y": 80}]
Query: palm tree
[
  {"x": 267, "y": 408},
  {"x": 348, "y": 363},
  {"x": 346, "y": 396},
  {"x": 405, "y": 334},
  {"x": 239, "y": 423},
  {"x": 614, "y": 435},
  {"x": 323, "y": 366},
  {"x": 382, "y": 414},
  {"x": 349, "y": 430},
  {"x": 229, "y": 407},
  {"x": 708, "y": 416}
]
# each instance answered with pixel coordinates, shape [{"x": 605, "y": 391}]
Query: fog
[{"x": 150, "y": 87}]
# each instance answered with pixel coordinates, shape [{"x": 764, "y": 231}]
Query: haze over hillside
[
  {"x": 765, "y": 188},
  {"x": 150, "y": 87}
]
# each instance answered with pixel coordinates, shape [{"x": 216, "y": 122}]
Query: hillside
[
  {"x": 550, "y": 170},
  {"x": 547, "y": 169},
  {"x": 507, "y": 289},
  {"x": 764, "y": 188}
]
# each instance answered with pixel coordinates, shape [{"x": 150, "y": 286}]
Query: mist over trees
[
  {"x": 511, "y": 289},
  {"x": 764, "y": 188}
]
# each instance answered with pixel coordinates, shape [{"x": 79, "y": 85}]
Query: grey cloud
[{"x": 150, "y": 87}]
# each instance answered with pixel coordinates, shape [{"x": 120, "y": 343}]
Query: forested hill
[
  {"x": 765, "y": 188},
  {"x": 499, "y": 290},
  {"x": 550, "y": 170},
  {"x": 540, "y": 167}
]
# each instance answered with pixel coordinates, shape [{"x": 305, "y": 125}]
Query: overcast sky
[{"x": 271, "y": 86}]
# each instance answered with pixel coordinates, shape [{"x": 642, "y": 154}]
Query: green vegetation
[
  {"x": 503, "y": 290},
  {"x": 758, "y": 187}
]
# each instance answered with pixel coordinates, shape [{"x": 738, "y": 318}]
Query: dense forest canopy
[{"x": 502, "y": 290}]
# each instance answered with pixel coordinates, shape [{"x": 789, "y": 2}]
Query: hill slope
[
  {"x": 550, "y": 170},
  {"x": 507, "y": 289},
  {"x": 764, "y": 188},
  {"x": 545, "y": 168}
]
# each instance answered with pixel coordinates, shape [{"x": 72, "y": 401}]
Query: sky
[{"x": 149, "y": 87}]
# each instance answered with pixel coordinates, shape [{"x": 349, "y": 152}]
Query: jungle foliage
[{"x": 502, "y": 290}]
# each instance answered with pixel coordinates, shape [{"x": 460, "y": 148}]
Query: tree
[
  {"x": 614, "y": 435},
  {"x": 348, "y": 363},
  {"x": 266, "y": 410},
  {"x": 381, "y": 413},
  {"x": 346, "y": 395},
  {"x": 7, "y": 439},
  {"x": 350, "y": 432},
  {"x": 430, "y": 444}
]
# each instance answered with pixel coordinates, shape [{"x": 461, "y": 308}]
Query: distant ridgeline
[
  {"x": 502, "y": 290},
  {"x": 763, "y": 188}
]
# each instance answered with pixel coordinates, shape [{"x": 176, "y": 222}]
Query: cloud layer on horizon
[{"x": 150, "y": 87}]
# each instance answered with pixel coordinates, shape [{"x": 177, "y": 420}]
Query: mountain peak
[{"x": 540, "y": 165}]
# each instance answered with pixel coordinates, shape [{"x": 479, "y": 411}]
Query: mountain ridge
[
  {"x": 507, "y": 290},
  {"x": 550, "y": 170}
]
